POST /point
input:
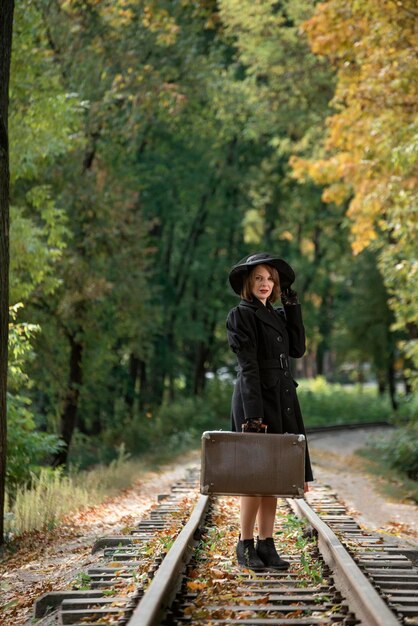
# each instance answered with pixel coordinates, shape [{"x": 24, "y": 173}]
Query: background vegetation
[{"x": 156, "y": 142}]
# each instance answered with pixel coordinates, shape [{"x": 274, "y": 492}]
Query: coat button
[
  {"x": 288, "y": 410},
  {"x": 286, "y": 374},
  {"x": 279, "y": 338},
  {"x": 287, "y": 390}
]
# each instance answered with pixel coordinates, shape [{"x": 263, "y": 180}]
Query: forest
[{"x": 151, "y": 145}]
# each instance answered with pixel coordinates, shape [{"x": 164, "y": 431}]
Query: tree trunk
[
  {"x": 171, "y": 387},
  {"x": 6, "y": 27},
  {"x": 199, "y": 372},
  {"x": 381, "y": 382},
  {"x": 407, "y": 385},
  {"x": 392, "y": 385},
  {"x": 69, "y": 414},
  {"x": 325, "y": 328},
  {"x": 143, "y": 385},
  {"x": 156, "y": 381},
  {"x": 319, "y": 358},
  {"x": 134, "y": 365},
  {"x": 204, "y": 353}
]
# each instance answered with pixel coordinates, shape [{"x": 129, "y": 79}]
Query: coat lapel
[{"x": 266, "y": 314}]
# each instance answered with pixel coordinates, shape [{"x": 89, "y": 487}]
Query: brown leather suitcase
[{"x": 252, "y": 464}]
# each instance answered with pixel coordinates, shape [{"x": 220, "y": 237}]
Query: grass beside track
[
  {"x": 392, "y": 483},
  {"x": 53, "y": 495}
]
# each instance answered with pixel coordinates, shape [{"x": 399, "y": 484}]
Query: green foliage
[
  {"x": 43, "y": 117},
  {"x": 35, "y": 248},
  {"x": 170, "y": 429},
  {"x": 408, "y": 410},
  {"x": 27, "y": 447},
  {"x": 43, "y": 123},
  {"x": 296, "y": 528},
  {"x": 186, "y": 419},
  {"x": 399, "y": 267},
  {"x": 325, "y": 403},
  {"x": 372, "y": 46},
  {"x": 81, "y": 582},
  {"x": 218, "y": 395},
  {"x": 20, "y": 349},
  {"x": 400, "y": 450},
  {"x": 363, "y": 332}
]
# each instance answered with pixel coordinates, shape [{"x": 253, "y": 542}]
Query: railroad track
[
  {"x": 178, "y": 567},
  {"x": 330, "y": 428}
]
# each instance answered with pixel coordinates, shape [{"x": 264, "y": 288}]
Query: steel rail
[
  {"x": 330, "y": 428},
  {"x": 167, "y": 579},
  {"x": 352, "y": 583}
]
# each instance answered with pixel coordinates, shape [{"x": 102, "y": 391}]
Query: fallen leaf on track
[
  {"x": 218, "y": 573},
  {"x": 263, "y": 600},
  {"x": 194, "y": 586}
]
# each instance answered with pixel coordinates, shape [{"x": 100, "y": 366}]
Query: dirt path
[
  {"x": 336, "y": 464},
  {"x": 47, "y": 561}
]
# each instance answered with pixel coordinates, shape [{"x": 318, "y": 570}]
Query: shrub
[
  {"x": 27, "y": 448},
  {"x": 401, "y": 449},
  {"x": 324, "y": 403},
  {"x": 408, "y": 408},
  {"x": 174, "y": 426}
]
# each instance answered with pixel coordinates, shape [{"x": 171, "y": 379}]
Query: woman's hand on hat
[{"x": 289, "y": 296}]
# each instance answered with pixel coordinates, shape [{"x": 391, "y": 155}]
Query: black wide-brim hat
[{"x": 243, "y": 267}]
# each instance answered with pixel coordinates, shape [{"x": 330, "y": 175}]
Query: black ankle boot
[
  {"x": 266, "y": 550},
  {"x": 247, "y": 555}
]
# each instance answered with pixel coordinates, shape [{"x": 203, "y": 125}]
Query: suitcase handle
[{"x": 254, "y": 425}]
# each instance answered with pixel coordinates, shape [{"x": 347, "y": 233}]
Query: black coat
[{"x": 263, "y": 338}]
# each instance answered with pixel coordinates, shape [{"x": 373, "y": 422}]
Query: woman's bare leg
[
  {"x": 266, "y": 516},
  {"x": 266, "y": 549},
  {"x": 248, "y": 514}
]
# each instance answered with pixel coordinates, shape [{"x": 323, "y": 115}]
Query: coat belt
[{"x": 281, "y": 363}]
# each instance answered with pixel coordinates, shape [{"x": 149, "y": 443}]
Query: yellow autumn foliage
[
  {"x": 159, "y": 21},
  {"x": 372, "y": 45},
  {"x": 370, "y": 153}
]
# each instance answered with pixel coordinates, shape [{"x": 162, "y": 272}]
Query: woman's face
[{"x": 262, "y": 283}]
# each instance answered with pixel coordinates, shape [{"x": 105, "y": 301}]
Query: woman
[{"x": 263, "y": 338}]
